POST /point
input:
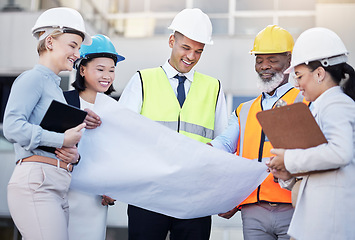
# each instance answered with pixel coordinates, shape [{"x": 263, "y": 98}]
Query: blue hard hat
[{"x": 101, "y": 46}]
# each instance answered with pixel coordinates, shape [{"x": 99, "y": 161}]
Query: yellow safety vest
[
  {"x": 196, "y": 117},
  {"x": 252, "y": 146}
]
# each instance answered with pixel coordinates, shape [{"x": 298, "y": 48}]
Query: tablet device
[{"x": 59, "y": 118}]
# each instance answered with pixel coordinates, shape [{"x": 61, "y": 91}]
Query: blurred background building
[{"x": 139, "y": 31}]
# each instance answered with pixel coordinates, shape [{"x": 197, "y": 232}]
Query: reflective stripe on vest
[
  {"x": 196, "y": 117},
  {"x": 251, "y": 134},
  {"x": 244, "y": 112},
  {"x": 190, "y": 128}
]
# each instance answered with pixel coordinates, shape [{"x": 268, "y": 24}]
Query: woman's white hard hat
[
  {"x": 63, "y": 19},
  {"x": 319, "y": 44},
  {"x": 194, "y": 24}
]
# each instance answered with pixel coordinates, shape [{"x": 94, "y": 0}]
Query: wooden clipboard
[{"x": 290, "y": 127}]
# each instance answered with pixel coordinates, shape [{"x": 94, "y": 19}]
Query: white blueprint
[{"x": 140, "y": 162}]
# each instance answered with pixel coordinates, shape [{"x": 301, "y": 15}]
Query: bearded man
[{"x": 267, "y": 212}]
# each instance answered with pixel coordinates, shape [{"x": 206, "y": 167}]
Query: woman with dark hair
[
  {"x": 326, "y": 196},
  {"x": 95, "y": 75}
]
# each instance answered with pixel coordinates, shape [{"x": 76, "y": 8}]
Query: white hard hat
[
  {"x": 194, "y": 24},
  {"x": 319, "y": 44},
  {"x": 63, "y": 19}
]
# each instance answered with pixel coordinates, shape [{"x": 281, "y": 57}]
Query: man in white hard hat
[
  {"x": 159, "y": 94},
  {"x": 267, "y": 212}
]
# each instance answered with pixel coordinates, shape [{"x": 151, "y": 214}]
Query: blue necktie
[{"x": 181, "y": 89}]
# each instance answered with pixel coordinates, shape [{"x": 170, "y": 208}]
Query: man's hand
[{"x": 229, "y": 214}]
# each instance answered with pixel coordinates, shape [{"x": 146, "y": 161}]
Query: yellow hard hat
[{"x": 272, "y": 39}]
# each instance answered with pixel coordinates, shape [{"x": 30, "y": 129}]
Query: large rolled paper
[{"x": 140, "y": 162}]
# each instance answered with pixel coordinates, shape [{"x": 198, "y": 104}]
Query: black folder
[{"x": 59, "y": 118}]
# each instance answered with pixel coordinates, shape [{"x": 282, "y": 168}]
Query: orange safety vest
[{"x": 252, "y": 145}]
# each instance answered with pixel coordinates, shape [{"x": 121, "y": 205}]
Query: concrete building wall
[
  {"x": 341, "y": 19},
  {"x": 228, "y": 59}
]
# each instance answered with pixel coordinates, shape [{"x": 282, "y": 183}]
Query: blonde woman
[{"x": 37, "y": 191}]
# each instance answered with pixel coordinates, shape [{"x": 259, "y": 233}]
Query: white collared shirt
[
  {"x": 268, "y": 101},
  {"x": 131, "y": 97}
]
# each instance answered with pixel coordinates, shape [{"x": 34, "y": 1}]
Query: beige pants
[{"x": 37, "y": 199}]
